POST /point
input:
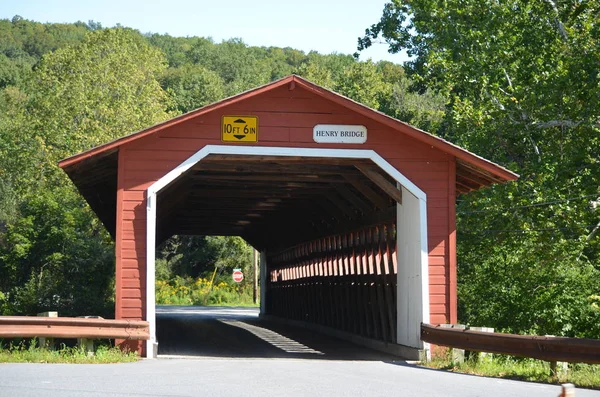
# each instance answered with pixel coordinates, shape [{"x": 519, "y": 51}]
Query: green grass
[
  {"x": 235, "y": 304},
  {"x": 23, "y": 353},
  {"x": 581, "y": 375}
]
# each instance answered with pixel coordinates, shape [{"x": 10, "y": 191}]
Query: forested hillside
[{"x": 521, "y": 88}]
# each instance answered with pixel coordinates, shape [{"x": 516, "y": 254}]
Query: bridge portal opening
[{"x": 323, "y": 221}]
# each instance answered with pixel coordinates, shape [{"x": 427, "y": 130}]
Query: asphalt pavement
[
  {"x": 229, "y": 352},
  {"x": 238, "y": 333}
]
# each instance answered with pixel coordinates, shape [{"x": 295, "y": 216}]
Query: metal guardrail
[
  {"x": 70, "y": 327},
  {"x": 548, "y": 348}
]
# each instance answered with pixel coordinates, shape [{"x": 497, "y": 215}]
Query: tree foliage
[
  {"x": 60, "y": 258},
  {"x": 54, "y": 253},
  {"x": 91, "y": 93},
  {"x": 199, "y": 256},
  {"x": 523, "y": 83},
  {"x": 192, "y": 86}
]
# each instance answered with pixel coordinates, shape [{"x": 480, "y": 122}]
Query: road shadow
[{"x": 226, "y": 332}]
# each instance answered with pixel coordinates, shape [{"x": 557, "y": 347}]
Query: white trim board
[{"x": 151, "y": 207}]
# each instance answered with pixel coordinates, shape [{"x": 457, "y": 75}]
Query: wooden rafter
[
  {"x": 378, "y": 179},
  {"x": 356, "y": 201},
  {"x": 366, "y": 191}
]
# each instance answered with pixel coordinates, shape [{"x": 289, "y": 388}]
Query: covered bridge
[{"x": 353, "y": 211}]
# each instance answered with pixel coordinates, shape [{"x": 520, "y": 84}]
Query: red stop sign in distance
[{"x": 238, "y": 276}]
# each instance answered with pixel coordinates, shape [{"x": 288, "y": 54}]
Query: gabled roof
[
  {"x": 94, "y": 172},
  {"x": 481, "y": 169}
]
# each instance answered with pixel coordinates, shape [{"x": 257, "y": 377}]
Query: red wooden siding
[{"x": 286, "y": 119}]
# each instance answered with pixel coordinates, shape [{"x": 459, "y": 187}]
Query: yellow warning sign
[{"x": 239, "y": 129}]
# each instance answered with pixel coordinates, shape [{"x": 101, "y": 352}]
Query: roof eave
[
  {"x": 420, "y": 135},
  {"x": 409, "y": 130}
]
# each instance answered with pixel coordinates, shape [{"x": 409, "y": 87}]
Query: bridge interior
[{"x": 327, "y": 228}]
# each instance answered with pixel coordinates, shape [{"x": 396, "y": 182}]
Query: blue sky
[{"x": 325, "y": 26}]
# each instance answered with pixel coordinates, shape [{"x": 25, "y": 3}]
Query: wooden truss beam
[{"x": 381, "y": 181}]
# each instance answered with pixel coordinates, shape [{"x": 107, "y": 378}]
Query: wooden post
[
  {"x": 481, "y": 355},
  {"x": 48, "y": 343},
  {"x": 86, "y": 345},
  {"x": 255, "y": 273},
  {"x": 558, "y": 369},
  {"x": 456, "y": 355}
]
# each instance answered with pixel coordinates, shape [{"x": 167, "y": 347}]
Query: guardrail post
[
  {"x": 568, "y": 390},
  {"x": 558, "y": 369},
  {"x": 456, "y": 355},
  {"x": 478, "y": 356},
  {"x": 87, "y": 344},
  {"x": 48, "y": 343}
]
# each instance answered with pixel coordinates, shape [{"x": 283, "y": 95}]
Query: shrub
[{"x": 189, "y": 291}]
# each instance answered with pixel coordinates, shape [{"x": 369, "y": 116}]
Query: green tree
[
  {"x": 198, "y": 256},
  {"x": 522, "y": 81},
  {"x": 253, "y": 69},
  {"x": 56, "y": 256},
  {"x": 13, "y": 140},
  {"x": 20, "y": 37},
  {"x": 54, "y": 253},
  {"x": 283, "y": 61},
  {"x": 325, "y": 70},
  {"x": 192, "y": 86},
  {"x": 425, "y": 110},
  {"x": 14, "y": 72},
  {"x": 362, "y": 82},
  {"x": 317, "y": 73},
  {"x": 96, "y": 91},
  {"x": 174, "y": 48}
]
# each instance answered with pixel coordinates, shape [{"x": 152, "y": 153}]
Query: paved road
[
  {"x": 238, "y": 333},
  {"x": 244, "y": 357}
]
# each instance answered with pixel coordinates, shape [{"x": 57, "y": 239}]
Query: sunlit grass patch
[
  {"x": 527, "y": 369},
  {"x": 31, "y": 353}
]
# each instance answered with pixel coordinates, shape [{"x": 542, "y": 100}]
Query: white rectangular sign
[{"x": 334, "y": 133}]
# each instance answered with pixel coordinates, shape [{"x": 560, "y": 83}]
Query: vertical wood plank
[
  {"x": 376, "y": 254},
  {"x": 390, "y": 303}
]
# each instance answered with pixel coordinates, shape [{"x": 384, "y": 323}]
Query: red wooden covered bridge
[{"x": 353, "y": 211}]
